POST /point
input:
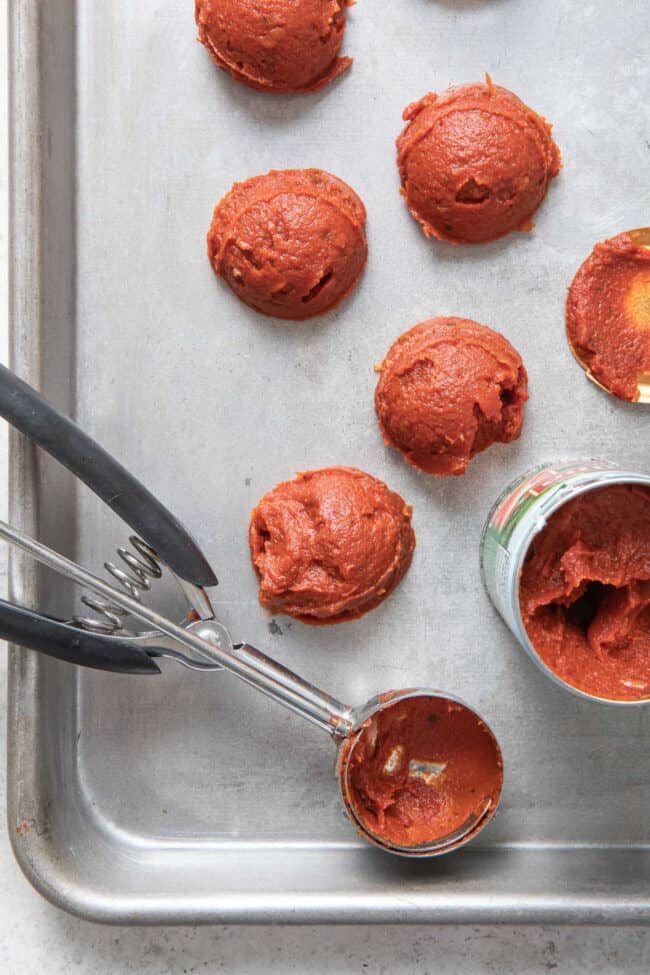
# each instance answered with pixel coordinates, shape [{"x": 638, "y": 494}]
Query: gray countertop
[{"x": 35, "y": 936}]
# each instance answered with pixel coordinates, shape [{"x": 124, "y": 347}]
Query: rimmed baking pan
[{"x": 185, "y": 799}]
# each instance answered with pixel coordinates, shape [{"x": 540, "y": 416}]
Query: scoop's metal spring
[{"x": 135, "y": 581}]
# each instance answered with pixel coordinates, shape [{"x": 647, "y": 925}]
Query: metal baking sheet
[{"x": 186, "y": 798}]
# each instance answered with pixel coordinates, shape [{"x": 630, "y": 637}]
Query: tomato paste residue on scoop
[{"x": 421, "y": 769}]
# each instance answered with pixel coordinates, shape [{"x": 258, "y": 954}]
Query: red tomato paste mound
[
  {"x": 449, "y": 388},
  {"x": 275, "y": 45},
  {"x": 330, "y": 545},
  {"x": 421, "y": 769},
  {"x": 608, "y": 315},
  {"x": 291, "y": 243},
  {"x": 585, "y": 593},
  {"x": 475, "y": 163}
]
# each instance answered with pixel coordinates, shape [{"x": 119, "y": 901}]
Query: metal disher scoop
[{"x": 208, "y": 640}]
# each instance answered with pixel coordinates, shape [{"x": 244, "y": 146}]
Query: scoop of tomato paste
[
  {"x": 475, "y": 163},
  {"x": 283, "y": 45},
  {"x": 330, "y": 545},
  {"x": 291, "y": 243},
  {"x": 449, "y": 388}
]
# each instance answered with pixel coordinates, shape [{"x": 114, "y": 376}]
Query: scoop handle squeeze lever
[
  {"x": 208, "y": 639},
  {"x": 61, "y": 641},
  {"x": 37, "y": 419},
  {"x": 211, "y": 642}
]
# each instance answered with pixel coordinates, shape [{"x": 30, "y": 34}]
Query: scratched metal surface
[{"x": 188, "y": 798}]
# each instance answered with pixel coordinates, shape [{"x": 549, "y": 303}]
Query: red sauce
[
  {"x": 608, "y": 315},
  {"x": 475, "y": 162},
  {"x": 421, "y": 769},
  {"x": 585, "y": 593},
  {"x": 291, "y": 243},
  {"x": 283, "y": 46},
  {"x": 330, "y": 545},
  {"x": 448, "y": 389}
]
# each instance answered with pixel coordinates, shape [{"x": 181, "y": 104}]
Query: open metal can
[{"x": 520, "y": 512}]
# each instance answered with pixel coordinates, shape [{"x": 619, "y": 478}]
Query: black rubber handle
[
  {"x": 64, "y": 642},
  {"x": 37, "y": 419}
]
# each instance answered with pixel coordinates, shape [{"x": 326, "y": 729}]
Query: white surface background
[{"x": 35, "y": 937}]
